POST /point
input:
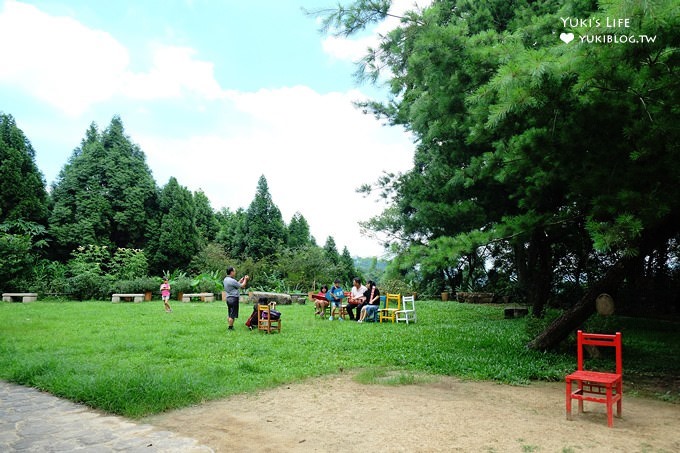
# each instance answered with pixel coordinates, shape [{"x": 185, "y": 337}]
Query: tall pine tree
[
  {"x": 104, "y": 195},
  {"x": 206, "y": 221},
  {"x": 265, "y": 229},
  {"x": 232, "y": 232},
  {"x": 22, "y": 192},
  {"x": 331, "y": 251},
  {"x": 298, "y": 232},
  {"x": 23, "y": 206},
  {"x": 177, "y": 239}
]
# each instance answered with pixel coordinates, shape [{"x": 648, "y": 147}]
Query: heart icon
[{"x": 567, "y": 37}]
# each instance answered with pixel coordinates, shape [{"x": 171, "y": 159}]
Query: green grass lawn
[{"x": 135, "y": 360}]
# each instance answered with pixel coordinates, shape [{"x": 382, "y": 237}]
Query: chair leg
[
  {"x": 568, "y": 399},
  {"x": 610, "y": 411}
]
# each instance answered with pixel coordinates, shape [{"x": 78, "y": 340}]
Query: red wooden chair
[{"x": 597, "y": 386}]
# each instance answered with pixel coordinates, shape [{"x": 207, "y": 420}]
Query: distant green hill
[{"x": 370, "y": 268}]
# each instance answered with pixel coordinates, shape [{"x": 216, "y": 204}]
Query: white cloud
[
  {"x": 314, "y": 150},
  {"x": 348, "y": 49},
  {"x": 174, "y": 73},
  {"x": 72, "y": 67},
  {"x": 57, "y": 59}
]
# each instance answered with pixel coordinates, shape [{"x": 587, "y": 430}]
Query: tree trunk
[
  {"x": 451, "y": 279},
  {"x": 520, "y": 261},
  {"x": 579, "y": 313},
  {"x": 533, "y": 261},
  {"x": 540, "y": 264}
]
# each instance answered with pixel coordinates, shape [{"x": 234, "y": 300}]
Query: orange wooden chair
[{"x": 597, "y": 386}]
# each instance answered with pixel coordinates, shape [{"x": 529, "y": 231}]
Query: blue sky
[{"x": 216, "y": 93}]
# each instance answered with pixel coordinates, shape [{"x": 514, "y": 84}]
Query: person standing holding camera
[{"x": 231, "y": 288}]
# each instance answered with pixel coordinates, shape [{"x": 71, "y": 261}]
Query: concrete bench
[
  {"x": 25, "y": 297},
  {"x": 205, "y": 297},
  {"x": 134, "y": 297}
]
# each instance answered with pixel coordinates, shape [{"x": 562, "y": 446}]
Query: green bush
[
  {"x": 180, "y": 285},
  {"x": 129, "y": 263},
  {"x": 207, "y": 282},
  {"x": 89, "y": 286},
  {"x": 144, "y": 284},
  {"x": 394, "y": 286},
  {"x": 206, "y": 286},
  {"x": 16, "y": 260},
  {"x": 123, "y": 286},
  {"x": 19, "y": 246},
  {"x": 49, "y": 277},
  {"x": 137, "y": 285},
  {"x": 210, "y": 258}
]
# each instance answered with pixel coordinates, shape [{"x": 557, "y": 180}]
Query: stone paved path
[{"x": 34, "y": 421}]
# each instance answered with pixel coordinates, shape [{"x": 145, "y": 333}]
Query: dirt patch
[{"x": 336, "y": 414}]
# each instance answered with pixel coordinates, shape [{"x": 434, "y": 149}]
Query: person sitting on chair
[
  {"x": 320, "y": 300},
  {"x": 372, "y": 304},
  {"x": 335, "y": 296},
  {"x": 356, "y": 298}
]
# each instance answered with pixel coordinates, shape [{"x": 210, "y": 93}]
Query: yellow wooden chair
[
  {"x": 265, "y": 321},
  {"x": 392, "y": 305}
]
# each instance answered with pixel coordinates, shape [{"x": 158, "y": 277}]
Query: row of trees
[
  {"x": 550, "y": 166},
  {"x": 105, "y": 209}
]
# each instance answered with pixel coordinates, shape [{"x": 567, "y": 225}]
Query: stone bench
[
  {"x": 476, "y": 297},
  {"x": 25, "y": 297},
  {"x": 134, "y": 297},
  {"x": 515, "y": 312},
  {"x": 300, "y": 298},
  {"x": 205, "y": 297},
  {"x": 279, "y": 298}
]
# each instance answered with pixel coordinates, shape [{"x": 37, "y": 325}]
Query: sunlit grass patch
[{"x": 136, "y": 360}]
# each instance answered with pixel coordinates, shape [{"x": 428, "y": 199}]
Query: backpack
[
  {"x": 275, "y": 314},
  {"x": 337, "y": 291},
  {"x": 252, "y": 319},
  {"x": 251, "y": 323}
]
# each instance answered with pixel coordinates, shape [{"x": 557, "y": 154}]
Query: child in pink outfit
[{"x": 165, "y": 294}]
